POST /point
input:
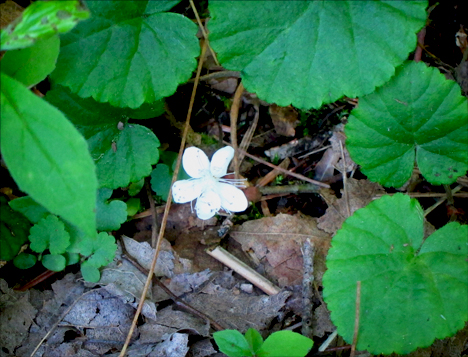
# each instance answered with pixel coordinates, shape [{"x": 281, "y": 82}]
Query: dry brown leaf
[
  {"x": 284, "y": 119},
  {"x": 360, "y": 193},
  {"x": 276, "y": 243}
]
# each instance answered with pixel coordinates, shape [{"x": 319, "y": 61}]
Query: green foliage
[
  {"x": 25, "y": 260},
  {"x": 67, "y": 243},
  {"x": 100, "y": 251},
  {"x": 307, "y": 53},
  {"x": 109, "y": 215},
  {"x": 412, "y": 290},
  {"x": 41, "y": 20},
  {"x": 133, "y": 206},
  {"x": 14, "y": 230},
  {"x": 161, "y": 176},
  {"x": 418, "y": 115},
  {"x": 23, "y": 65},
  {"x": 278, "y": 344},
  {"x": 128, "y": 53},
  {"x": 46, "y": 155},
  {"x": 50, "y": 234},
  {"x": 123, "y": 152}
]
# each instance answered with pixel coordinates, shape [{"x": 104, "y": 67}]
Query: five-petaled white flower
[{"x": 207, "y": 185}]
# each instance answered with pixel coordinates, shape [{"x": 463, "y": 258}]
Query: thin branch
[
  {"x": 202, "y": 28},
  {"x": 168, "y": 206},
  {"x": 236, "y": 104}
]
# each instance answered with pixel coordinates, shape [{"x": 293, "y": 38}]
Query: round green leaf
[
  {"x": 412, "y": 291},
  {"x": 25, "y": 261},
  {"x": 31, "y": 65},
  {"x": 232, "y": 343},
  {"x": 54, "y": 262},
  {"x": 47, "y": 156},
  {"x": 307, "y": 53},
  {"x": 128, "y": 53},
  {"x": 285, "y": 343},
  {"x": 50, "y": 234},
  {"x": 418, "y": 115}
]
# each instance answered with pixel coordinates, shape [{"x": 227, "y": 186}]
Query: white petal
[
  {"x": 208, "y": 204},
  {"x": 220, "y": 161},
  {"x": 186, "y": 190},
  {"x": 195, "y": 162},
  {"x": 232, "y": 199}
]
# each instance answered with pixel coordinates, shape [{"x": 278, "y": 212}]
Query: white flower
[{"x": 212, "y": 192}]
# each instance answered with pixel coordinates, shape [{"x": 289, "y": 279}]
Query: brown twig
[
  {"x": 236, "y": 104},
  {"x": 287, "y": 172},
  {"x": 440, "y": 201},
  {"x": 38, "y": 279},
  {"x": 308, "y": 251},
  {"x": 154, "y": 228},
  {"x": 202, "y": 28},
  {"x": 168, "y": 206},
  {"x": 356, "y": 318}
]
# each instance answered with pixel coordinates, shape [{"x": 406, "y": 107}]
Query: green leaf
[
  {"x": 232, "y": 343},
  {"x": 161, "y": 178},
  {"x": 418, "y": 115},
  {"x": 90, "y": 272},
  {"x": 25, "y": 261},
  {"x": 109, "y": 215},
  {"x": 46, "y": 156},
  {"x": 133, "y": 206},
  {"x": 285, "y": 343},
  {"x": 254, "y": 339},
  {"x": 128, "y": 53},
  {"x": 54, "y": 262},
  {"x": 50, "y": 234},
  {"x": 412, "y": 291},
  {"x": 123, "y": 153},
  {"x": 42, "y": 19},
  {"x": 135, "y": 187},
  {"x": 71, "y": 258},
  {"x": 29, "y": 208},
  {"x": 31, "y": 65},
  {"x": 14, "y": 231},
  {"x": 307, "y": 53},
  {"x": 101, "y": 249}
]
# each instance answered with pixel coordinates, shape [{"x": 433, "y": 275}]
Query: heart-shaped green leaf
[
  {"x": 412, "y": 291},
  {"x": 307, "y": 53},
  {"x": 418, "y": 115},
  {"x": 128, "y": 53}
]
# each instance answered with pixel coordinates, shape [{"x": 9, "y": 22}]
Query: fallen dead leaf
[
  {"x": 284, "y": 119},
  {"x": 360, "y": 193},
  {"x": 276, "y": 243}
]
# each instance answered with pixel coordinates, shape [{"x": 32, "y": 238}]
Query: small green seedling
[{"x": 280, "y": 343}]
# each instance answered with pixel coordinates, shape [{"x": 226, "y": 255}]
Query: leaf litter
[{"x": 89, "y": 319}]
